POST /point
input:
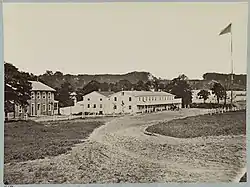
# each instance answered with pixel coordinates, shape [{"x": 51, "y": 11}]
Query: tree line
[{"x": 18, "y": 88}]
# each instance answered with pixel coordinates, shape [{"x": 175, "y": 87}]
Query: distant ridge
[{"x": 79, "y": 81}]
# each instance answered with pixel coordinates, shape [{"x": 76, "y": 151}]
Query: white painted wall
[
  {"x": 71, "y": 110},
  {"x": 140, "y": 100},
  {"x": 157, "y": 100},
  {"x": 96, "y": 99},
  {"x": 125, "y": 99}
]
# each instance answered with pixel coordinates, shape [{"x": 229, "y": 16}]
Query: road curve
[{"x": 120, "y": 151}]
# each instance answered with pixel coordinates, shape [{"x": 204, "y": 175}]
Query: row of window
[
  {"x": 129, "y": 99},
  {"x": 146, "y": 98},
  {"x": 39, "y": 107},
  {"x": 115, "y": 99},
  {"x": 129, "y": 107},
  {"x": 154, "y": 98},
  {"x": 94, "y": 105},
  {"x": 89, "y": 99},
  {"x": 38, "y": 95},
  {"x": 115, "y": 107}
]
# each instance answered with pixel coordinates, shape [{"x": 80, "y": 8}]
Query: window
[
  {"x": 149, "y": 99},
  {"x": 122, "y": 93},
  {"x": 44, "y": 107},
  {"x": 44, "y": 95},
  {"x": 115, "y": 107},
  {"x": 38, "y": 106},
  {"x": 129, "y": 107},
  {"x": 139, "y": 99},
  {"x": 38, "y": 95},
  {"x": 32, "y": 109},
  {"x": 115, "y": 99},
  {"x": 32, "y": 95},
  {"x": 55, "y": 106},
  {"x": 100, "y": 99},
  {"x": 20, "y": 109},
  {"x": 88, "y": 105},
  {"x": 88, "y": 99},
  {"x": 130, "y": 98},
  {"x": 49, "y": 107},
  {"x": 94, "y": 106},
  {"x": 49, "y": 95},
  {"x": 100, "y": 105}
]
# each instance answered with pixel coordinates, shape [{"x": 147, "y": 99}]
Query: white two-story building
[
  {"x": 142, "y": 101},
  {"x": 96, "y": 103},
  {"x": 127, "y": 102}
]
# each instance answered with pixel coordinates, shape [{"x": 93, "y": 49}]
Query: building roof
[
  {"x": 107, "y": 94},
  {"x": 38, "y": 86},
  {"x": 147, "y": 93}
]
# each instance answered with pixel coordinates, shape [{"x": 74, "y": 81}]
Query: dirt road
[{"x": 120, "y": 151}]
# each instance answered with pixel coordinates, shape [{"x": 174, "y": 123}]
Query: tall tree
[
  {"x": 156, "y": 84},
  {"x": 17, "y": 87},
  {"x": 91, "y": 86},
  {"x": 140, "y": 86},
  {"x": 79, "y": 94},
  {"x": 180, "y": 87},
  {"x": 63, "y": 95},
  {"x": 149, "y": 85},
  {"x": 58, "y": 74},
  {"x": 204, "y": 94},
  {"x": 104, "y": 86},
  {"x": 124, "y": 84},
  {"x": 219, "y": 91}
]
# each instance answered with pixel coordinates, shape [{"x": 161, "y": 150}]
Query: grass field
[
  {"x": 207, "y": 148},
  {"x": 231, "y": 123},
  {"x": 29, "y": 140}
]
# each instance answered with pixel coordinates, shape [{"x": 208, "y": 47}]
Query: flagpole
[
  {"x": 231, "y": 51},
  {"x": 226, "y": 30}
]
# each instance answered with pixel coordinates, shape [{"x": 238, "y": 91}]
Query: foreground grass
[
  {"x": 138, "y": 159},
  {"x": 231, "y": 123},
  {"x": 28, "y": 140}
]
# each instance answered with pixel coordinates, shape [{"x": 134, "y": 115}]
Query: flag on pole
[{"x": 226, "y": 30}]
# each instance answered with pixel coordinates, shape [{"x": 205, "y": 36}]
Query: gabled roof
[
  {"x": 106, "y": 94},
  {"x": 38, "y": 86},
  {"x": 147, "y": 93}
]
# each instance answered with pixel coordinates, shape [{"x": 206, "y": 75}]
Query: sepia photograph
[{"x": 136, "y": 92}]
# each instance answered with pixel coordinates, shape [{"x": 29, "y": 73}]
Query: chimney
[
  {"x": 132, "y": 89},
  {"x": 109, "y": 89},
  {"x": 99, "y": 90}
]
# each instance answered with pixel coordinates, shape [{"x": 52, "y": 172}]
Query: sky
[{"x": 165, "y": 39}]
